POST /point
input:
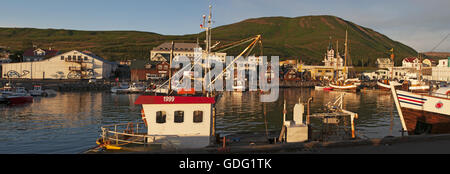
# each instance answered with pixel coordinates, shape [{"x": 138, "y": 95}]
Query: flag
[{"x": 392, "y": 55}]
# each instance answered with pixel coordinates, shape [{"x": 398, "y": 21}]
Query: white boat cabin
[{"x": 183, "y": 121}]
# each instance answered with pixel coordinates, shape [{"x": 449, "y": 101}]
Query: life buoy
[{"x": 143, "y": 117}]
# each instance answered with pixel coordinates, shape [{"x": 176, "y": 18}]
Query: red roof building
[{"x": 38, "y": 54}]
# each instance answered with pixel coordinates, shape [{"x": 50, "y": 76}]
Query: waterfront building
[
  {"x": 411, "y": 62},
  {"x": 70, "y": 65},
  {"x": 38, "y": 54},
  {"x": 160, "y": 71},
  {"x": 384, "y": 63},
  {"x": 377, "y": 75},
  {"x": 161, "y": 53},
  {"x": 441, "y": 72},
  {"x": 333, "y": 67}
]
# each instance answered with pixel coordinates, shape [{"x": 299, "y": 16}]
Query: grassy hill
[{"x": 304, "y": 38}]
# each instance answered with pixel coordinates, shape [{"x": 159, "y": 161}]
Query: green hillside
[{"x": 304, "y": 38}]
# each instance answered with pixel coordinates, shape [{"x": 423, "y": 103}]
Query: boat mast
[
  {"x": 207, "y": 27},
  {"x": 346, "y": 54},
  {"x": 393, "y": 62}
]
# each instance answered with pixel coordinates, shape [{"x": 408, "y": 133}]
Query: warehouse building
[{"x": 69, "y": 65}]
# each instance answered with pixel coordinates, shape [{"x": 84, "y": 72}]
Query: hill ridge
[{"x": 302, "y": 37}]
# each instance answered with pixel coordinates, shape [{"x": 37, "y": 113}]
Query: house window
[
  {"x": 198, "y": 116},
  {"x": 178, "y": 116},
  {"x": 62, "y": 57},
  {"x": 161, "y": 117},
  {"x": 69, "y": 58},
  {"x": 85, "y": 58},
  {"x": 166, "y": 67},
  {"x": 159, "y": 67},
  {"x": 79, "y": 57}
]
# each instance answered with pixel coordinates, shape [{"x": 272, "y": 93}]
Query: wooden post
[
  {"x": 117, "y": 136},
  {"x": 307, "y": 112},
  {"x": 399, "y": 109},
  {"x": 213, "y": 122}
]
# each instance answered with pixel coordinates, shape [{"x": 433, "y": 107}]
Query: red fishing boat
[{"x": 19, "y": 96}]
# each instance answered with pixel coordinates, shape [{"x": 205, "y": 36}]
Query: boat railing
[
  {"x": 132, "y": 133},
  {"x": 441, "y": 95}
]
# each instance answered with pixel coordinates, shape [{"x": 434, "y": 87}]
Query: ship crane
[{"x": 256, "y": 40}]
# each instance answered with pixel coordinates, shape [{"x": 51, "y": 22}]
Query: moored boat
[
  {"x": 136, "y": 88},
  {"x": 38, "y": 91},
  {"x": 424, "y": 113},
  {"x": 121, "y": 88},
  {"x": 325, "y": 88},
  {"x": 344, "y": 86},
  {"x": 18, "y": 96},
  {"x": 385, "y": 84}
]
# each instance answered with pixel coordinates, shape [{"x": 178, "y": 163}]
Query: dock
[{"x": 415, "y": 144}]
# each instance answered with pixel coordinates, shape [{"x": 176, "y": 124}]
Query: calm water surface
[{"x": 70, "y": 122}]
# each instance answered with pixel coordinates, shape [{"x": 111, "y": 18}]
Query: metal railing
[{"x": 132, "y": 133}]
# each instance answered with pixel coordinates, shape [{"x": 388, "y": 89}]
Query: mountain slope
[
  {"x": 308, "y": 37},
  {"x": 304, "y": 38}
]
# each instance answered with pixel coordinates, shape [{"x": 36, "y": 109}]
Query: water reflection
[
  {"x": 66, "y": 123},
  {"x": 243, "y": 111},
  {"x": 70, "y": 122}
]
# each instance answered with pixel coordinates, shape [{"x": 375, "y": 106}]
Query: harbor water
[{"x": 70, "y": 122}]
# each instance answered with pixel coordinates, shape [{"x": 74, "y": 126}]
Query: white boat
[
  {"x": 347, "y": 85},
  {"x": 423, "y": 113},
  {"x": 37, "y": 91},
  {"x": 158, "y": 90},
  {"x": 122, "y": 88},
  {"x": 418, "y": 86},
  {"x": 135, "y": 87},
  {"x": 385, "y": 84}
]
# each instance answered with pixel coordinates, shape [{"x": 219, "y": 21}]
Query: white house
[
  {"x": 385, "y": 63},
  {"x": 411, "y": 62},
  {"x": 70, "y": 65},
  {"x": 442, "y": 71}
]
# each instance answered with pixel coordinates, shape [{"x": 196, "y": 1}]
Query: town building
[
  {"x": 162, "y": 52},
  {"x": 333, "y": 67},
  {"x": 333, "y": 59},
  {"x": 441, "y": 72},
  {"x": 38, "y": 54},
  {"x": 70, "y": 65},
  {"x": 160, "y": 71},
  {"x": 384, "y": 63},
  {"x": 411, "y": 62}
]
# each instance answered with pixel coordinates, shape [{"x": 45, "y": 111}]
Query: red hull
[
  {"x": 19, "y": 100},
  {"x": 328, "y": 89},
  {"x": 420, "y": 121}
]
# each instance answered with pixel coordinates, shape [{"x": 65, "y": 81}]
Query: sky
[{"x": 420, "y": 24}]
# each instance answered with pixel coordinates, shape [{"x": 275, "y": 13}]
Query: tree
[{"x": 16, "y": 56}]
